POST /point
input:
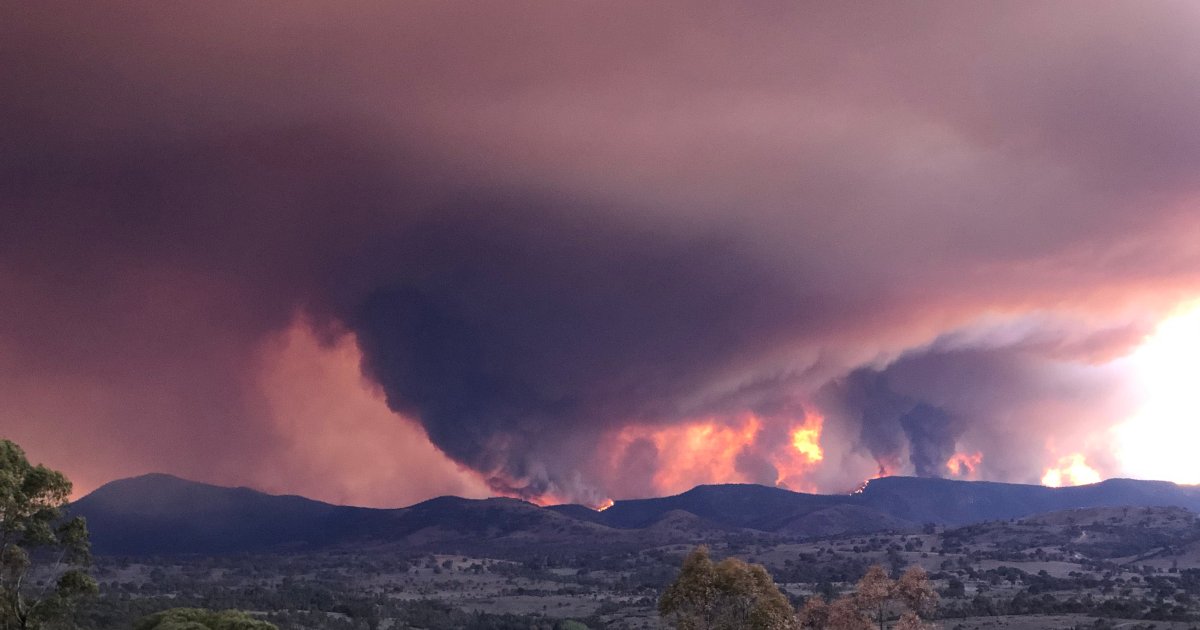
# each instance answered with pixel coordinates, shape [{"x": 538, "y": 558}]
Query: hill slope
[{"x": 161, "y": 514}]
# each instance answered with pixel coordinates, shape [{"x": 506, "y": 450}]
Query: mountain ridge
[{"x": 164, "y": 514}]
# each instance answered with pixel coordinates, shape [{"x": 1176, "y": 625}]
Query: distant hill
[
  {"x": 954, "y": 502},
  {"x": 736, "y": 505},
  {"x": 910, "y": 500},
  {"x": 161, "y": 514}
]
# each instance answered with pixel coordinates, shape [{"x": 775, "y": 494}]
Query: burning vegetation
[{"x": 1071, "y": 470}]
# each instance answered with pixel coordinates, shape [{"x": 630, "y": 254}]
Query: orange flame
[
  {"x": 964, "y": 465},
  {"x": 793, "y": 464},
  {"x": 541, "y": 500},
  {"x": 1072, "y": 470},
  {"x": 700, "y": 452},
  {"x": 707, "y": 450},
  {"x": 806, "y": 439},
  {"x": 604, "y": 505},
  {"x": 886, "y": 468}
]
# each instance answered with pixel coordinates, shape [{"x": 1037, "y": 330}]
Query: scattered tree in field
[
  {"x": 728, "y": 595},
  {"x": 814, "y": 615},
  {"x": 200, "y": 619},
  {"x": 911, "y": 621},
  {"x": 875, "y": 591},
  {"x": 916, "y": 593},
  {"x": 689, "y": 600},
  {"x": 41, "y": 555},
  {"x": 844, "y": 614}
]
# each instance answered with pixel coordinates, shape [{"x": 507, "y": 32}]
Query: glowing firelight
[
  {"x": 702, "y": 451},
  {"x": 1159, "y": 441},
  {"x": 604, "y": 505},
  {"x": 707, "y": 450},
  {"x": 1071, "y": 470},
  {"x": 964, "y": 465},
  {"x": 885, "y": 470},
  {"x": 807, "y": 439}
]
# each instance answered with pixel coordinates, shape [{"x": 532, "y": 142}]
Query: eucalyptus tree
[
  {"x": 42, "y": 553},
  {"x": 727, "y": 595}
]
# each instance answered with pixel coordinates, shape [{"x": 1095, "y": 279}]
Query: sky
[{"x": 374, "y": 253}]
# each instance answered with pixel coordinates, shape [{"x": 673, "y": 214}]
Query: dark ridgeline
[{"x": 161, "y": 514}]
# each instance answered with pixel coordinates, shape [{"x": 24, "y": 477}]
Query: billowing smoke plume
[
  {"x": 892, "y": 423},
  {"x": 1009, "y": 403},
  {"x": 566, "y": 238},
  {"x": 931, "y": 437}
]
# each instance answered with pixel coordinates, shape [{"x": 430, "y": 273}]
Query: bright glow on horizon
[
  {"x": 1160, "y": 440},
  {"x": 1072, "y": 470}
]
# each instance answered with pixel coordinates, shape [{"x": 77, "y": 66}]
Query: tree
[
  {"x": 727, "y": 595},
  {"x": 814, "y": 615},
  {"x": 41, "y": 555},
  {"x": 689, "y": 600},
  {"x": 915, "y": 591},
  {"x": 875, "y": 590},
  {"x": 200, "y": 619},
  {"x": 845, "y": 615},
  {"x": 911, "y": 621}
]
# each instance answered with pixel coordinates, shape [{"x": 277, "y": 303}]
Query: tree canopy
[
  {"x": 201, "y": 619},
  {"x": 876, "y": 596},
  {"x": 728, "y": 595},
  {"x": 42, "y": 554}
]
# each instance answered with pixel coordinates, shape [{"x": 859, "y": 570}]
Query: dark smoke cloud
[
  {"x": 1008, "y": 403},
  {"x": 542, "y": 224},
  {"x": 931, "y": 437},
  {"x": 892, "y": 423}
]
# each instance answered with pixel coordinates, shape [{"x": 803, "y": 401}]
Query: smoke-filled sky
[{"x": 374, "y": 253}]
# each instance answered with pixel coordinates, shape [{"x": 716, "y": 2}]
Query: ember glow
[
  {"x": 964, "y": 465},
  {"x": 605, "y": 505},
  {"x": 1071, "y": 470}
]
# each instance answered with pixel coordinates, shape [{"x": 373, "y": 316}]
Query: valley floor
[{"x": 1098, "y": 568}]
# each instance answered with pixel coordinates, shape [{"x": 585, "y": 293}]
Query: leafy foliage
[
  {"x": 876, "y": 593},
  {"x": 727, "y": 595},
  {"x": 41, "y": 555},
  {"x": 911, "y": 621},
  {"x": 915, "y": 592},
  {"x": 845, "y": 615},
  {"x": 875, "y": 590},
  {"x": 814, "y": 614}
]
